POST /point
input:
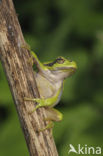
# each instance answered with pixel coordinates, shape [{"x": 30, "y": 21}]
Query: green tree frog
[{"x": 49, "y": 79}]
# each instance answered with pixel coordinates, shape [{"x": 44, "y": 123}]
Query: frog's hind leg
[{"x": 52, "y": 115}]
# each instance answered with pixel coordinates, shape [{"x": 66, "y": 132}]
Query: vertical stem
[{"x": 21, "y": 80}]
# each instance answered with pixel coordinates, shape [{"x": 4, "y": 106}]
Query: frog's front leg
[
  {"x": 49, "y": 102},
  {"x": 41, "y": 102},
  {"x": 52, "y": 114},
  {"x": 40, "y": 65}
]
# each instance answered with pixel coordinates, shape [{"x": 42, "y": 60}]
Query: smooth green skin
[{"x": 66, "y": 68}]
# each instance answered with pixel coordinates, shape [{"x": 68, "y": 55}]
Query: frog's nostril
[{"x": 70, "y": 60}]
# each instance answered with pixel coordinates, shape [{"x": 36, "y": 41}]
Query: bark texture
[{"x": 21, "y": 80}]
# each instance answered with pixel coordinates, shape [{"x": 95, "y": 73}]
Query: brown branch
[{"x": 21, "y": 79}]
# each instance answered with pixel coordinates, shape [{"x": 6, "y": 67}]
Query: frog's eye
[{"x": 60, "y": 60}]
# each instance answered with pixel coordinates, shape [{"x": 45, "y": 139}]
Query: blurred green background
[{"x": 73, "y": 29}]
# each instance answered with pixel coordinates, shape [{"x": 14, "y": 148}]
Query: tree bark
[{"x": 22, "y": 84}]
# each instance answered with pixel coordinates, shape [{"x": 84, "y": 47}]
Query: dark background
[{"x": 73, "y": 29}]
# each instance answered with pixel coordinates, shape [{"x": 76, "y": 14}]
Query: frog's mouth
[{"x": 67, "y": 69}]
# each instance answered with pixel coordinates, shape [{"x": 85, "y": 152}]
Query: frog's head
[{"x": 61, "y": 67}]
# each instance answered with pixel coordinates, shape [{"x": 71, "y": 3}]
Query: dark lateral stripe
[{"x": 52, "y": 63}]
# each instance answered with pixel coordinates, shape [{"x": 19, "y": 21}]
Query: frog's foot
[
  {"x": 49, "y": 126},
  {"x": 38, "y": 100},
  {"x": 26, "y": 46}
]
